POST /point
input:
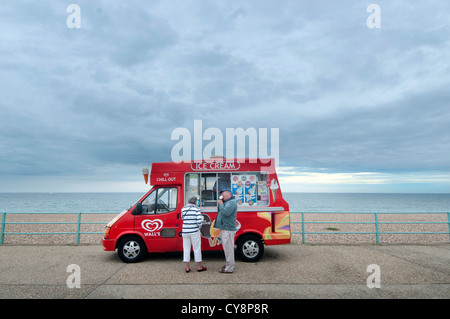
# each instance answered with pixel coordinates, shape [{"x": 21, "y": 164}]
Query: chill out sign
[{"x": 203, "y": 144}]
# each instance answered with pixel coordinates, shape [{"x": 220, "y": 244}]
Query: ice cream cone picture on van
[
  {"x": 145, "y": 173},
  {"x": 209, "y": 232},
  {"x": 214, "y": 238},
  {"x": 274, "y": 189},
  {"x": 153, "y": 223},
  {"x": 205, "y": 230}
]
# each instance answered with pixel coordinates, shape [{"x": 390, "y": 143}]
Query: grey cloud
[
  {"x": 344, "y": 97},
  {"x": 411, "y": 134}
]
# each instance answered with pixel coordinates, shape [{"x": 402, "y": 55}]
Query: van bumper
[{"x": 109, "y": 244}]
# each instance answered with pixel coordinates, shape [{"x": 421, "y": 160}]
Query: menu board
[
  {"x": 262, "y": 191},
  {"x": 244, "y": 189}
]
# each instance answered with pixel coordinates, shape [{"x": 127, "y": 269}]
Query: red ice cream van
[{"x": 154, "y": 223}]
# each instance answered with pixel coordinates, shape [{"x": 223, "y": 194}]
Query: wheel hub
[
  {"x": 131, "y": 249},
  {"x": 250, "y": 249}
]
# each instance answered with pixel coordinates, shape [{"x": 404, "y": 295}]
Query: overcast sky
[{"x": 358, "y": 109}]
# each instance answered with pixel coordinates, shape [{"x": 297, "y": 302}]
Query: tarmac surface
[{"x": 284, "y": 272}]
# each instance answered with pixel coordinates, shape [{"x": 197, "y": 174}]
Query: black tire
[
  {"x": 131, "y": 249},
  {"x": 250, "y": 248}
]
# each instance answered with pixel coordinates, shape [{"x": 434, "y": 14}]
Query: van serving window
[{"x": 249, "y": 188}]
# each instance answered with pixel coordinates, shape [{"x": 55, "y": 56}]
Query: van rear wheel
[
  {"x": 131, "y": 249},
  {"x": 250, "y": 248}
]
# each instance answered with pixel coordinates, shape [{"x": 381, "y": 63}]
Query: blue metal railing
[
  {"x": 303, "y": 222},
  {"x": 78, "y": 223},
  {"x": 375, "y": 222}
]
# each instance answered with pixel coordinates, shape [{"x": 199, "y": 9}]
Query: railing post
[
  {"x": 448, "y": 220},
  {"x": 2, "y": 230},
  {"x": 78, "y": 227},
  {"x": 376, "y": 229},
  {"x": 303, "y": 228}
]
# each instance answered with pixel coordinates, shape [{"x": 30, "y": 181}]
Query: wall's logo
[{"x": 153, "y": 226}]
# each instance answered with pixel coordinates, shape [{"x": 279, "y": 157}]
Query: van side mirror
[{"x": 138, "y": 209}]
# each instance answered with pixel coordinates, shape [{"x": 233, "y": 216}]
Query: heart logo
[{"x": 152, "y": 225}]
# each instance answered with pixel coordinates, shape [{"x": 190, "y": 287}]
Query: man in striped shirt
[{"x": 192, "y": 221}]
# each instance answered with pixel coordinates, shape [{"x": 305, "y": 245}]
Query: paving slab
[{"x": 286, "y": 272}]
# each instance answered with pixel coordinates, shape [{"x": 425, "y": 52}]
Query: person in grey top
[{"x": 226, "y": 222}]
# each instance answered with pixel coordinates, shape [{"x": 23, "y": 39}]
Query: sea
[{"x": 305, "y": 202}]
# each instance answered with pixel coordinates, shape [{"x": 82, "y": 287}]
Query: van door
[{"x": 159, "y": 221}]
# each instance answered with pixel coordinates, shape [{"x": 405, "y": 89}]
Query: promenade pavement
[{"x": 287, "y": 271}]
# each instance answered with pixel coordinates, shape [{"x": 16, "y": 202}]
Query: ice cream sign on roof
[{"x": 197, "y": 166}]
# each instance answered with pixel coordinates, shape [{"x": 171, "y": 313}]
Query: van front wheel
[
  {"x": 131, "y": 249},
  {"x": 250, "y": 248}
]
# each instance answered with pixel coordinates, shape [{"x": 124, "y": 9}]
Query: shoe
[
  {"x": 202, "y": 269},
  {"x": 223, "y": 271},
  {"x": 188, "y": 269}
]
